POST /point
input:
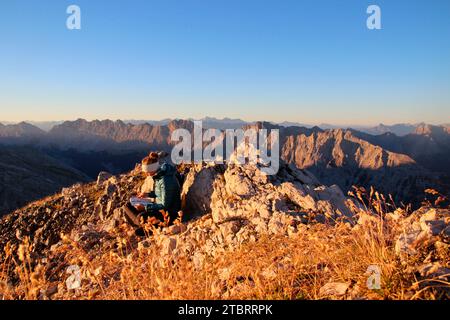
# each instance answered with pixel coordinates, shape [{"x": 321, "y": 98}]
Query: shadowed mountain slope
[{"x": 27, "y": 174}]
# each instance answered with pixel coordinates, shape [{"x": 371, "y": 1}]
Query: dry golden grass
[{"x": 273, "y": 267}]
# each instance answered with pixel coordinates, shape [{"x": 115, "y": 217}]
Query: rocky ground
[{"x": 242, "y": 235}]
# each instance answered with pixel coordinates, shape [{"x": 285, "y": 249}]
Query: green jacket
[{"x": 167, "y": 191}]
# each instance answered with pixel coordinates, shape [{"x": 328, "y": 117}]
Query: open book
[{"x": 140, "y": 201}]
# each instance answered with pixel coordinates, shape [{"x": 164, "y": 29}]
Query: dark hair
[{"x": 151, "y": 158}]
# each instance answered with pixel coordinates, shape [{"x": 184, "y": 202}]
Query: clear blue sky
[{"x": 309, "y": 61}]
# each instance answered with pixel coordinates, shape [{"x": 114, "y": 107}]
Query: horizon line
[{"x": 291, "y": 123}]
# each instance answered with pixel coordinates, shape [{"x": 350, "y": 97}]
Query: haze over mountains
[
  {"x": 20, "y": 130},
  {"x": 208, "y": 122},
  {"x": 402, "y": 165},
  {"x": 400, "y": 129}
]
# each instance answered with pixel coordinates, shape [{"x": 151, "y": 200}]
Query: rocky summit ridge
[
  {"x": 225, "y": 193},
  {"x": 225, "y": 207}
]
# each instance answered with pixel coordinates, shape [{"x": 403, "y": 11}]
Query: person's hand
[{"x": 140, "y": 208}]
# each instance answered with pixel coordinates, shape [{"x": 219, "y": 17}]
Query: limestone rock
[
  {"x": 298, "y": 195},
  {"x": 334, "y": 289},
  {"x": 229, "y": 229},
  {"x": 102, "y": 177},
  {"x": 238, "y": 184},
  {"x": 434, "y": 270},
  {"x": 169, "y": 245},
  {"x": 110, "y": 188},
  {"x": 197, "y": 190},
  {"x": 407, "y": 242},
  {"x": 421, "y": 228}
]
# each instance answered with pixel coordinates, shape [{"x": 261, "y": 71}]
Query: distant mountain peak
[
  {"x": 431, "y": 130},
  {"x": 22, "y": 129}
]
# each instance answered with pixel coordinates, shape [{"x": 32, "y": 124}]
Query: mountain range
[
  {"x": 401, "y": 165},
  {"x": 400, "y": 129}
]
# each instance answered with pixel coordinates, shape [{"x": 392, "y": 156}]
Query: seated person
[{"x": 162, "y": 178}]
